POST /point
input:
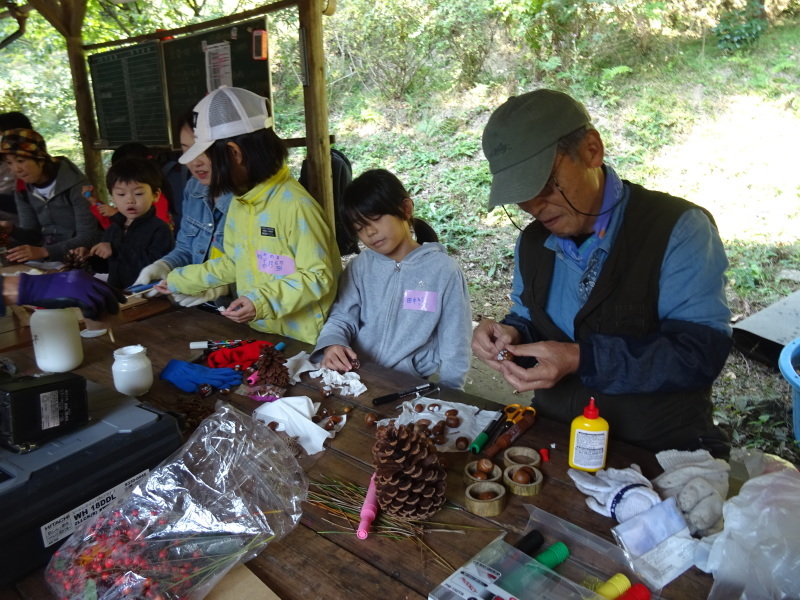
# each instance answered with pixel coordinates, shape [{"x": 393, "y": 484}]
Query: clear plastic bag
[
  {"x": 757, "y": 555},
  {"x": 219, "y": 500}
]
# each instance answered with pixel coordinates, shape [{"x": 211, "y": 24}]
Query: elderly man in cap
[{"x": 618, "y": 291}]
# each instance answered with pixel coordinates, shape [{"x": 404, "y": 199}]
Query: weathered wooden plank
[{"x": 308, "y": 566}]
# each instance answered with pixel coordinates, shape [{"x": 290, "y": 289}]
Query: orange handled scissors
[{"x": 513, "y": 413}]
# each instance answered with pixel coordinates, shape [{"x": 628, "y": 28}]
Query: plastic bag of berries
[{"x": 220, "y": 499}]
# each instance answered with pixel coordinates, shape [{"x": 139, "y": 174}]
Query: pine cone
[
  {"x": 73, "y": 262},
  {"x": 410, "y": 480},
  {"x": 271, "y": 368}
]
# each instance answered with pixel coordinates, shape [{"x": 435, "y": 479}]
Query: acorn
[
  {"x": 451, "y": 413},
  {"x": 419, "y": 408},
  {"x": 370, "y": 419},
  {"x": 505, "y": 355},
  {"x": 462, "y": 443},
  {"x": 487, "y": 495},
  {"x": 485, "y": 465},
  {"x": 521, "y": 477},
  {"x": 453, "y": 422}
]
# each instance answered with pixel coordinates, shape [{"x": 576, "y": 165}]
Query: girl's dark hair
[
  {"x": 376, "y": 193},
  {"x": 134, "y": 170},
  {"x": 14, "y": 120},
  {"x": 263, "y": 153}
]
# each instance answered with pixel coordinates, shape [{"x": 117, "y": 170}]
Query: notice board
[
  {"x": 129, "y": 96},
  {"x": 141, "y": 92},
  {"x": 197, "y": 64}
]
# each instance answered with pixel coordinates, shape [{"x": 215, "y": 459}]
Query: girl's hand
[
  {"x": 80, "y": 252},
  {"x": 106, "y": 210},
  {"x": 162, "y": 288},
  {"x": 26, "y": 253},
  {"x": 339, "y": 358},
  {"x": 241, "y": 310},
  {"x": 103, "y": 250}
]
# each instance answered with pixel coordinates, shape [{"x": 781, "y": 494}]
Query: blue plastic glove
[
  {"x": 70, "y": 288},
  {"x": 189, "y": 376}
]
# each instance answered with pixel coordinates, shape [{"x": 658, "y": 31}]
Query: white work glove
[
  {"x": 155, "y": 272},
  {"x": 617, "y": 493},
  {"x": 207, "y": 296},
  {"x": 699, "y": 484}
]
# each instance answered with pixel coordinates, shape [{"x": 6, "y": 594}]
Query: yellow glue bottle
[{"x": 588, "y": 440}]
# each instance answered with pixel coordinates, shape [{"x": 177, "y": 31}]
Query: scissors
[{"x": 513, "y": 413}]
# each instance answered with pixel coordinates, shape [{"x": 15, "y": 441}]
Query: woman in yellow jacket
[{"x": 279, "y": 248}]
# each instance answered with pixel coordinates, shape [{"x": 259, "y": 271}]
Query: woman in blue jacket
[{"x": 202, "y": 225}]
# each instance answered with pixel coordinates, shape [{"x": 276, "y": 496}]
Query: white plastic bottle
[
  {"x": 56, "y": 339},
  {"x": 132, "y": 370}
]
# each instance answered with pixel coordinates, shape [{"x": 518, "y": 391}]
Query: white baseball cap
[{"x": 226, "y": 112}]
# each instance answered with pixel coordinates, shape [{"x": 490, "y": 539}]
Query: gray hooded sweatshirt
[
  {"x": 62, "y": 222},
  {"x": 413, "y": 316}
]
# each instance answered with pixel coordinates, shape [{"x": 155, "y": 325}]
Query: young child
[
  {"x": 136, "y": 236},
  {"x": 279, "y": 248},
  {"x": 54, "y": 215},
  {"x": 401, "y": 304}
]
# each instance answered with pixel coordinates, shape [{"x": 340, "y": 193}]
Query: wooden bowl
[
  {"x": 522, "y": 489},
  {"x": 495, "y": 476},
  {"x": 485, "y": 508},
  {"x": 521, "y": 455}
]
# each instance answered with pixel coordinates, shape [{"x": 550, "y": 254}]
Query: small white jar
[
  {"x": 56, "y": 339},
  {"x": 132, "y": 370}
]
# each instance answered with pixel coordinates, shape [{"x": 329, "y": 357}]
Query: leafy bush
[{"x": 740, "y": 28}]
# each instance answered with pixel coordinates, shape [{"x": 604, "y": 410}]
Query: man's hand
[
  {"x": 103, "y": 250},
  {"x": 339, "y": 358},
  {"x": 94, "y": 297},
  {"x": 241, "y": 310},
  {"x": 26, "y": 253},
  {"x": 489, "y": 338},
  {"x": 556, "y": 360}
]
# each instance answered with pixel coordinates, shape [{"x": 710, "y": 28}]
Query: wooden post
[
  {"x": 67, "y": 17},
  {"x": 316, "y": 106},
  {"x": 87, "y": 128}
]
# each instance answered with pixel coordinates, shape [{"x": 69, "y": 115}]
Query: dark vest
[{"x": 624, "y": 301}]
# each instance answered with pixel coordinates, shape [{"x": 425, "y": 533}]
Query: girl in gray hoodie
[{"x": 401, "y": 304}]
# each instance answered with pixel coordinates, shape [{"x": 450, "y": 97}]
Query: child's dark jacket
[{"x": 147, "y": 239}]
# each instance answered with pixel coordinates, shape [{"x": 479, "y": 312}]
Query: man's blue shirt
[{"x": 692, "y": 290}]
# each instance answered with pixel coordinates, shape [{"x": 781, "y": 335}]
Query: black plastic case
[{"x": 45, "y": 493}]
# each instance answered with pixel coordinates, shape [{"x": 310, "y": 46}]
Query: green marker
[{"x": 484, "y": 436}]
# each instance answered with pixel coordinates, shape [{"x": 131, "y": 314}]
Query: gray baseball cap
[{"x": 520, "y": 142}]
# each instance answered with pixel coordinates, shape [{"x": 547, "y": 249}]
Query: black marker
[{"x": 425, "y": 388}]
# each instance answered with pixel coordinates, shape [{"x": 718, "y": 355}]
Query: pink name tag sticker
[
  {"x": 421, "y": 300},
  {"x": 275, "y": 264}
]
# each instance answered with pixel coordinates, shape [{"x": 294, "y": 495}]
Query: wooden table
[{"x": 306, "y": 564}]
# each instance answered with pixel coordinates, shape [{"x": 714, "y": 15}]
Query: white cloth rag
[{"x": 294, "y": 414}]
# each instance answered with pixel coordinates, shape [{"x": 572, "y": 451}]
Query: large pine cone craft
[
  {"x": 410, "y": 480},
  {"x": 271, "y": 368}
]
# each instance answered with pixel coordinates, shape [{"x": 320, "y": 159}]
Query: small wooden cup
[
  {"x": 520, "y": 489},
  {"x": 485, "y": 508},
  {"x": 521, "y": 455},
  {"x": 469, "y": 474}
]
